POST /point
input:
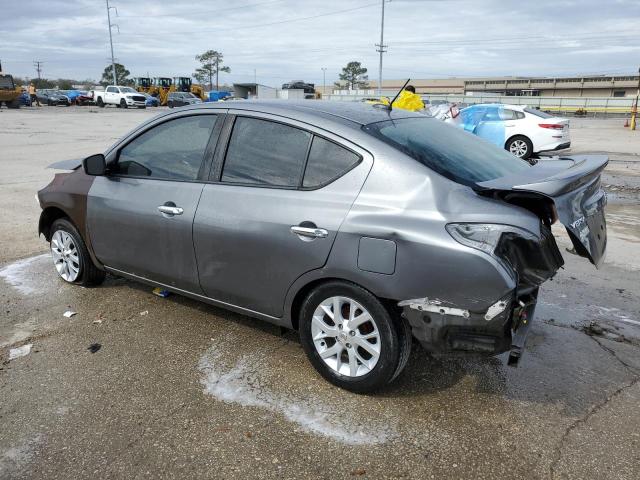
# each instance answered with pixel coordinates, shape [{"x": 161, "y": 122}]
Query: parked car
[
  {"x": 120, "y": 96},
  {"x": 151, "y": 101},
  {"x": 72, "y": 95},
  {"x": 180, "y": 99},
  {"x": 25, "y": 99},
  {"x": 84, "y": 98},
  {"x": 355, "y": 225},
  {"x": 521, "y": 130},
  {"x": 52, "y": 97}
]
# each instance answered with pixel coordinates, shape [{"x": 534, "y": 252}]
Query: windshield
[
  {"x": 538, "y": 113},
  {"x": 127, "y": 90},
  {"x": 448, "y": 150}
]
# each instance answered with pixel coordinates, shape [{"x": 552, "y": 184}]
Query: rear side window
[
  {"x": 173, "y": 150},
  {"x": 267, "y": 153},
  {"x": 538, "y": 113},
  {"x": 327, "y": 161},
  {"x": 447, "y": 149}
]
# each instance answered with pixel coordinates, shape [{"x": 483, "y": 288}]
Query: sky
[{"x": 282, "y": 40}]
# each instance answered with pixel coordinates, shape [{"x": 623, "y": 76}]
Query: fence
[{"x": 587, "y": 106}]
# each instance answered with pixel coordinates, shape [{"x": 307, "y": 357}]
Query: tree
[
  {"x": 353, "y": 76},
  {"x": 41, "y": 83},
  {"x": 211, "y": 64},
  {"x": 121, "y": 75},
  {"x": 65, "y": 84}
]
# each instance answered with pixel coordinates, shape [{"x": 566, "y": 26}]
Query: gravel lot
[{"x": 180, "y": 389}]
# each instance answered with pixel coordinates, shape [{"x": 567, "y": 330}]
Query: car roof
[
  {"x": 357, "y": 113},
  {"x": 520, "y": 108}
]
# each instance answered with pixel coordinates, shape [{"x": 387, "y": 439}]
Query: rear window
[
  {"x": 448, "y": 150},
  {"x": 538, "y": 113}
]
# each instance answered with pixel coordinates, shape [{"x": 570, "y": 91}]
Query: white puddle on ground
[
  {"x": 242, "y": 384},
  {"x": 21, "y": 275}
]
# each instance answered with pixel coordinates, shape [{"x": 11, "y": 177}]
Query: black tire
[
  {"x": 170, "y": 104},
  {"x": 520, "y": 143},
  {"x": 123, "y": 103},
  {"x": 89, "y": 275},
  {"x": 100, "y": 102},
  {"x": 395, "y": 338}
]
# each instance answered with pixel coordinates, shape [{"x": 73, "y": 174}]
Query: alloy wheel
[
  {"x": 65, "y": 256},
  {"x": 346, "y": 336},
  {"x": 519, "y": 148}
]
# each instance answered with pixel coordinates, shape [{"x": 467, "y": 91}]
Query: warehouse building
[{"x": 592, "y": 86}]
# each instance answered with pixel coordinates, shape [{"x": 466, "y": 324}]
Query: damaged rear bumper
[{"x": 446, "y": 329}]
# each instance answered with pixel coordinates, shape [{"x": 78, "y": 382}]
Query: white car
[
  {"x": 522, "y": 130},
  {"x": 120, "y": 96}
]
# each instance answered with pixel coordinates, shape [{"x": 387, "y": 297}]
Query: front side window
[
  {"x": 327, "y": 161},
  {"x": 266, "y": 153},
  {"x": 173, "y": 150},
  {"x": 448, "y": 150}
]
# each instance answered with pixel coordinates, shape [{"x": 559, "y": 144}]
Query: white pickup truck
[{"x": 119, "y": 96}]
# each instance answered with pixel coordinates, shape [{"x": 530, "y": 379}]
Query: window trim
[
  {"x": 225, "y": 140},
  {"x": 207, "y": 158}
]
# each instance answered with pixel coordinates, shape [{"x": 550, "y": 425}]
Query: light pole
[
  {"x": 634, "y": 110},
  {"x": 381, "y": 48},
  {"x": 324, "y": 81},
  {"x": 113, "y": 62}
]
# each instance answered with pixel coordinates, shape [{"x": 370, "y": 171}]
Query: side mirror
[{"x": 95, "y": 165}]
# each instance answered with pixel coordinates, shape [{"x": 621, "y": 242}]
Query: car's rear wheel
[
  {"x": 100, "y": 103},
  {"x": 351, "y": 338},
  {"x": 520, "y": 146},
  {"x": 170, "y": 104},
  {"x": 71, "y": 257}
]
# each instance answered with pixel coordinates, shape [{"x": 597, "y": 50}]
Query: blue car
[
  {"x": 25, "y": 99},
  {"x": 151, "y": 100}
]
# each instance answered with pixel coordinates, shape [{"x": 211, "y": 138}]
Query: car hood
[{"x": 573, "y": 184}]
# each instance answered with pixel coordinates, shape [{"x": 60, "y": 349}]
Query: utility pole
[
  {"x": 113, "y": 62},
  {"x": 634, "y": 110},
  {"x": 255, "y": 76},
  {"x": 38, "y": 65},
  {"x": 324, "y": 81},
  {"x": 381, "y": 48}
]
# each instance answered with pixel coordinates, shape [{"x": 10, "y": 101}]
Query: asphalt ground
[{"x": 138, "y": 386}]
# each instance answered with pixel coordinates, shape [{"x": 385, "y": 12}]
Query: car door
[
  {"x": 491, "y": 127},
  {"x": 512, "y": 122},
  {"x": 140, "y": 215},
  {"x": 273, "y": 208}
]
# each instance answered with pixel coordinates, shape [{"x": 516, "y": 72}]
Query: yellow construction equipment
[
  {"x": 184, "y": 84},
  {"x": 165, "y": 86},
  {"x": 9, "y": 91},
  {"x": 144, "y": 85}
]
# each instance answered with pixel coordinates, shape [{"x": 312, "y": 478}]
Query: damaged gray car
[{"x": 357, "y": 226}]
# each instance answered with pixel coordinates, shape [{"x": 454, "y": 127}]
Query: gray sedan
[{"x": 357, "y": 226}]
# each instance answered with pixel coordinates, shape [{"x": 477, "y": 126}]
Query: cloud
[{"x": 287, "y": 39}]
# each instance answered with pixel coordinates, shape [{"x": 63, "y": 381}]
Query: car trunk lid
[{"x": 573, "y": 184}]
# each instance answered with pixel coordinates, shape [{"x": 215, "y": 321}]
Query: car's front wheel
[
  {"x": 520, "y": 146},
  {"x": 351, "y": 338},
  {"x": 71, "y": 257},
  {"x": 123, "y": 103}
]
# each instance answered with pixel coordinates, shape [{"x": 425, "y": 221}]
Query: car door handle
[
  {"x": 169, "y": 210},
  {"x": 309, "y": 232}
]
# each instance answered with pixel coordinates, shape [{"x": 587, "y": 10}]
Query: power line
[
  {"x": 258, "y": 25},
  {"x": 38, "y": 65}
]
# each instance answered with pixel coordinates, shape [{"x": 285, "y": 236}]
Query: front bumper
[
  {"x": 443, "y": 329},
  {"x": 134, "y": 103}
]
